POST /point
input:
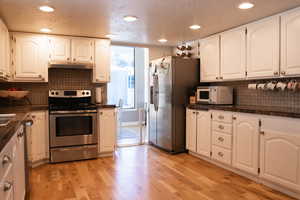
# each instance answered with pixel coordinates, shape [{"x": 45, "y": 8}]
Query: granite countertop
[
  {"x": 22, "y": 112},
  {"x": 264, "y": 110}
]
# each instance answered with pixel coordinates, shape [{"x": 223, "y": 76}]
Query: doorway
[{"x": 127, "y": 90}]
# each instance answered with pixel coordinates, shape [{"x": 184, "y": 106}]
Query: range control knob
[
  {"x": 83, "y": 93},
  {"x": 87, "y": 93},
  {"x": 56, "y": 93},
  {"x": 52, "y": 93}
]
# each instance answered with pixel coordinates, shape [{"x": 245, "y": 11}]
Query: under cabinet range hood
[{"x": 70, "y": 65}]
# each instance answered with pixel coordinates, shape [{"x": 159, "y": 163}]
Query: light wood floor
[{"x": 142, "y": 173}]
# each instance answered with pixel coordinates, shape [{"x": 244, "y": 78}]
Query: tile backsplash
[
  {"x": 244, "y": 96},
  {"x": 68, "y": 79}
]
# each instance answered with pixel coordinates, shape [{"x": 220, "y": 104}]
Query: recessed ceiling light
[
  {"x": 46, "y": 9},
  {"x": 110, "y": 35},
  {"x": 195, "y": 27},
  {"x": 45, "y": 30},
  {"x": 246, "y": 5},
  {"x": 162, "y": 40},
  {"x": 130, "y": 18}
]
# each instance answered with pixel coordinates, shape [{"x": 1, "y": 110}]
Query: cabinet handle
[
  {"x": 74, "y": 59},
  {"x": 234, "y": 118},
  {"x": 220, "y": 154},
  {"x": 276, "y": 73},
  {"x": 91, "y": 57},
  {"x": 194, "y": 112},
  {"x": 262, "y": 132},
  {"x": 221, "y": 139},
  {"x": 33, "y": 116},
  {"x": 7, "y": 186},
  {"x": 101, "y": 113},
  {"x": 221, "y": 117},
  {"x": 221, "y": 77},
  {"x": 6, "y": 160},
  {"x": 217, "y": 78},
  {"x": 221, "y": 127},
  {"x": 68, "y": 59},
  {"x": 283, "y": 73}
]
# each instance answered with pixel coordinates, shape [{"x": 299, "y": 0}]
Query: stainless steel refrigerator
[{"x": 170, "y": 81}]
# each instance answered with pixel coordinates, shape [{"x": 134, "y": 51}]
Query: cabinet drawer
[
  {"x": 221, "y": 154},
  {"x": 222, "y": 140},
  {"x": 6, "y": 185},
  {"x": 6, "y": 158},
  {"x": 222, "y": 127},
  {"x": 222, "y": 117}
]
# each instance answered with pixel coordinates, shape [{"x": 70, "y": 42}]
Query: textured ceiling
[{"x": 157, "y": 18}]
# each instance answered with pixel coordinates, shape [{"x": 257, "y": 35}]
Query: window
[{"x": 121, "y": 89}]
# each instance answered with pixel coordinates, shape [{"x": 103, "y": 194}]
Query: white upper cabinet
[
  {"x": 102, "y": 61},
  {"x": 191, "y": 130},
  {"x": 60, "y": 49},
  {"x": 246, "y": 143},
  {"x": 290, "y": 40},
  {"x": 210, "y": 59},
  {"x": 4, "y": 52},
  {"x": 107, "y": 130},
  {"x": 30, "y": 57},
  {"x": 233, "y": 54},
  {"x": 82, "y": 50},
  {"x": 203, "y": 133},
  {"x": 280, "y": 152},
  {"x": 263, "y": 48}
]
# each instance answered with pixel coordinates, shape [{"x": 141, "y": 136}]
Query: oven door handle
[{"x": 73, "y": 112}]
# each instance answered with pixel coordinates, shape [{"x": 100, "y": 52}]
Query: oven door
[
  {"x": 73, "y": 129},
  {"x": 203, "y": 95}
]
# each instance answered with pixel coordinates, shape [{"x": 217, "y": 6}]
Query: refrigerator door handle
[
  {"x": 156, "y": 93},
  {"x": 151, "y": 95}
]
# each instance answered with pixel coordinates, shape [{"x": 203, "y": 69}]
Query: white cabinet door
[
  {"x": 233, "y": 54},
  {"x": 263, "y": 48},
  {"x": 203, "y": 133},
  {"x": 280, "y": 157},
  {"x": 102, "y": 61},
  {"x": 290, "y": 31},
  {"x": 210, "y": 59},
  {"x": 19, "y": 164},
  {"x": 39, "y": 137},
  {"x": 191, "y": 130},
  {"x": 60, "y": 49},
  {"x": 31, "y": 57},
  {"x": 107, "y": 130},
  {"x": 246, "y": 143},
  {"x": 82, "y": 50},
  {"x": 4, "y": 52}
]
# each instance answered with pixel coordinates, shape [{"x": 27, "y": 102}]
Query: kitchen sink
[{"x": 5, "y": 119}]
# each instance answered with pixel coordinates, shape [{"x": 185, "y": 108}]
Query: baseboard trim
[
  {"x": 38, "y": 163},
  {"x": 254, "y": 178}
]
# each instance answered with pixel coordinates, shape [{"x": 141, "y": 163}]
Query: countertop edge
[{"x": 244, "y": 109}]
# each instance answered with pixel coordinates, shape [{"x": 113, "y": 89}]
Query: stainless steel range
[{"x": 73, "y": 125}]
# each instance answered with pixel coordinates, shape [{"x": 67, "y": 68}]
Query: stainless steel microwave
[{"x": 215, "y": 95}]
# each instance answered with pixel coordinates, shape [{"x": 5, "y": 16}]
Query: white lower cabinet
[
  {"x": 198, "y": 136},
  {"x": 191, "y": 130},
  {"x": 280, "y": 152},
  {"x": 107, "y": 127},
  {"x": 38, "y": 138},
  {"x": 203, "y": 133},
  {"x": 19, "y": 164},
  {"x": 246, "y": 143},
  {"x": 266, "y": 148},
  {"x": 12, "y": 168}
]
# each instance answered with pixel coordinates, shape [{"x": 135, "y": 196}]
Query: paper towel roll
[{"x": 98, "y": 95}]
